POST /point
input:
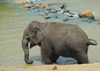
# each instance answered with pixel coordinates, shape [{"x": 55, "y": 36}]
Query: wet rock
[
  {"x": 46, "y": 12},
  {"x": 47, "y": 17},
  {"x": 66, "y": 19},
  {"x": 71, "y": 18},
  {"x": 37, "y": 5},
  {"x": 98, "y": 22},
  {"x": 86, "y": 13},
  {"x": 48, "y": 8},
  {"x": 65, "y": 11},
  {"x": 42, "y": 6},
  {"x": 88, "y": 20},
  {"x": 63, "y": 6},
  {"x": 28, "y": 5},
  {"x": 53, "y": 11},
  {"x": 70, "y": 15},
  {"x": 46, "y": 5},
  {"x": 33, "y": 7},
  {"x": 97, "y": 19}
]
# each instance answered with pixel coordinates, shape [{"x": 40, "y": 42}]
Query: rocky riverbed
[{"x": 51, "y": 10}]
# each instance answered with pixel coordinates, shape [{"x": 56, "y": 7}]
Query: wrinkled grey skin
[{"x": 56, "y": 39}]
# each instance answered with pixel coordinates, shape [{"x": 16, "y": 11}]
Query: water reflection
[{"x": 60, "y": 60}]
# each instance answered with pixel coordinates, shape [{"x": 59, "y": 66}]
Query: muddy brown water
[{"x": 13, "y": 21}]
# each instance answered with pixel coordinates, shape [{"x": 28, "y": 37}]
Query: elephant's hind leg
[{"x": 81, "y": 57}]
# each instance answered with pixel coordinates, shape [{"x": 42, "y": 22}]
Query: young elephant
[{"x": 56, "y": 39}]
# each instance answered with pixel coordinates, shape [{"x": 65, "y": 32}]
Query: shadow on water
[{"x": 60, "y": 61}]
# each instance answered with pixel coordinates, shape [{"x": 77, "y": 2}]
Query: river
[{"x": 13, "y": 21}]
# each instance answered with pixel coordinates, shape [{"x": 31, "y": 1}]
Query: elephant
[{"x": 56, "y": 39}]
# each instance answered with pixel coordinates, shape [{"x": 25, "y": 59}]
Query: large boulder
[
  {"x": 86, "y": 13},
  {"x": 28, "y": 5}
]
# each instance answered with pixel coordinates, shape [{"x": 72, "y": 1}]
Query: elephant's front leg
[
  {"x": 54, "y": 57},
  {"x": 46, "y": 57}
]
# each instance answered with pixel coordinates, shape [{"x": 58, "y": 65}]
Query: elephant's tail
[{"x": 92, "y": 42}]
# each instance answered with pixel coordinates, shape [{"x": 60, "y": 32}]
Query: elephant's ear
[{"x": 38, "y": 35}]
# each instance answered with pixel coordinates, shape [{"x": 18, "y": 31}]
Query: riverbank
[{"x": 76, "y": 67}]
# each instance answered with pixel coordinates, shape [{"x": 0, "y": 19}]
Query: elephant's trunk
[
  {"x": 26, "y": 58},
  {"x": 26, "y": 50}
]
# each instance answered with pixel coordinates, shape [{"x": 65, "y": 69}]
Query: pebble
[
  {"x": 70, "y": 15},
  {"x": 66, "y": 19},
  {"x": 88, "y": 20},
  {"x": 47, "y": 17},
  {"x": 53, "y": 11}
]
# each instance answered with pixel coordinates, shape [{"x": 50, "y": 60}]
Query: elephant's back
[{"x": 57, "y": 29}]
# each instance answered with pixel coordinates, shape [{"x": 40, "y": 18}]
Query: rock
[
  {"x": 47, "y": 17},
  {"x": 71, "y": 18},
  {"x": 42, "y": 6},
  {"x": 54, "y": 68},
  {"x": 65, "y": 11},
  {"x": 46, "y": 12},
  {"x": 38, "y": 5},
  {"x": 88, "y": 20},
  {"x": 70, "y": 15},
  {"x": 97, "y": 19},
  {"x": 98, "y": 22},
  {"x": 86, "y": 13},
  {"x": 48, "y": 8},
  {"x": 33, "y": 7},
  {"x": 63, "y": 6},
  {"x": 53, "y": 11},
  {"x": 46, "y": 5},
  {"x": 66, "y": 19},
  {"x": 28, "y": 5},
  {"x": 21, "y": 2}
]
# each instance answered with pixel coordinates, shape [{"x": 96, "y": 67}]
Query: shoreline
[{"x": 76, "y": 67}]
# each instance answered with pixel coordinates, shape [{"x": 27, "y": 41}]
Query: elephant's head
[{"x": 33, "y": 35}]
